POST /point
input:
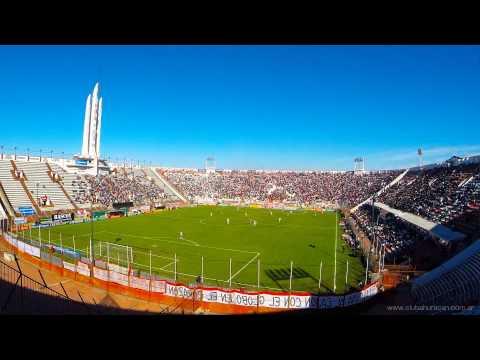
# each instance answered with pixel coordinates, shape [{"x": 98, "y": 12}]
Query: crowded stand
[
  {"x": 117, "y": 188},
  {"x": 449, "y": 195},
  {"x": 349, "y": 236},
  {"x": 344, "y": 188},
  {"x": 79, "y": 187},
  {"x": 397, "y": 237}
]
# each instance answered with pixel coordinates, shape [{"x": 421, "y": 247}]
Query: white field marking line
[
  {"x": 88, "y": 234},
  {"x": 69, "y": 237},
  {"x": 158, "y": 256},
  {"x": 270, "y": 225},
  {"x": 183, "y": 243},
  {"x": 224, "y": 281},
  {"x": 173, "y": 262},
  {"x": 243, "y": 267},
  {"x": 139, "y": 236},
  {"x": 193, "y": 242}
]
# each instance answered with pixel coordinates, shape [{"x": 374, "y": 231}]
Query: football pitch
[{"x": 239, "y": 247}]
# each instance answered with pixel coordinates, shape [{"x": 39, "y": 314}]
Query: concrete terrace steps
[
  {"x": 396, "y": 180},
  {"x": 75, "y": 186},
  {"x": 37, "y": 172},
  {"x": 62, "y": 188},
  {"x": 455, "y": 282},
  {"x": 166, "y": 185},
  {"x": 6, "y": 202},
  {"x": 13, "y": 188}
]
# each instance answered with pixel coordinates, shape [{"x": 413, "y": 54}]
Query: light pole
[
  {"x": 40, "y": 155},
  {"x": 38, "y": 203},
  {"x": 15, "y": 152},
  {"x": 2, "y": 151},
  {"x": 91, "y": 226}
]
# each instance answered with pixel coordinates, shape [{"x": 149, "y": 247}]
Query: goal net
[{"x": 110, "y": 253}]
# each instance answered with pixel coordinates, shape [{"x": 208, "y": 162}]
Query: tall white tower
[{"x": 92, "y": 125}]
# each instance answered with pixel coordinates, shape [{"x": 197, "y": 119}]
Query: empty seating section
[
  {"x": 37, "y": 173},
  {"x": 13, "y": 188},
  {"x": 456, "y": 282}
]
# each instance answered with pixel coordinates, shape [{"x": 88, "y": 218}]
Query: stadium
[{"x": 87, "y": 234}]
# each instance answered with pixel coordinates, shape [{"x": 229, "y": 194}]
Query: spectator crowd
[
  {"x": 388, "y": 232},
  {"x": 134, "y": 186},
  {"x": 306, "y": 188},
  {"x": 444, "y": 194}
]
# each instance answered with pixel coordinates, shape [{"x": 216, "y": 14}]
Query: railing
[
  {"x": 66, "y": 158},
  {"x": 6, "y": 201},
  {"x": 21, "y": 294},
  {"x": 120, "y": 279}
]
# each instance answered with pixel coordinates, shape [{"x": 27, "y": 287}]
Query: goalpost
[
  {"x": 117, "y": 254},
  {"x": 335, "y": 255}
]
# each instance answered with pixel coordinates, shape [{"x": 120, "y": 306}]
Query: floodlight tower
[
  {"x": 420, "y": 157},
  {"x": 359, "y": 166},
  {"x": 210, "y": 165}
]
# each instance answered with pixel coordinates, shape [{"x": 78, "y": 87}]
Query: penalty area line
[
  {"x": 173, "y": 262},
  {"x": 243, "y": 267},
  {"x": 192, "y": 242}
]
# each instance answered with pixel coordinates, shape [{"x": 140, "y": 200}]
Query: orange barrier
[{"x": 201, "y": 298}]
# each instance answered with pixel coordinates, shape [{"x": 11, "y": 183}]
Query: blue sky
[{"x": 264, "y": 107}]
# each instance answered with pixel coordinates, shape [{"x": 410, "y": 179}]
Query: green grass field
[{"x": 304, "y": 237}]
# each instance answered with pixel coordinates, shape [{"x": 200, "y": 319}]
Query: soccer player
[
  {"x": 228, "y": 221},
  {"x": 254, "y": 222},
  {"x": 279, "y": 219},
  {"x": 181, "y": 235},
  {"x": 211, "y": 214}
]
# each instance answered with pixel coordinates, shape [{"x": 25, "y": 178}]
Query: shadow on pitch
[{"x": 283, "y": 274}]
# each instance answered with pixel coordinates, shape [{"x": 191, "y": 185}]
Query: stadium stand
[
  {"x": 398, "y": 236},
  {"x": 123, "y": 187},
  {"x": 15, "y": 192},
  {"x": 457, "y": 281},
  {"x": 344, "y": 188},
  {"x": 37, "y": 173},
  {"x": 75, "y": 185},
  {"x": 445, "y": 194},
  {"x": 171, "y": 192}
]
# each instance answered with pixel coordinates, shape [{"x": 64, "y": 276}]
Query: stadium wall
[{"x": 198, "y": 298}]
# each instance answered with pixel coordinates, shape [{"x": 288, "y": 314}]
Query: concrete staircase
[
  {"x": 38, "y": 172},
  {"x": 169, "y": 189},
  {"x": 394, "y": 181},
  {"x": 13, "y": 188},
  {"x": 74, "y": 185},
  {"x": 59, "y": 182}
]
